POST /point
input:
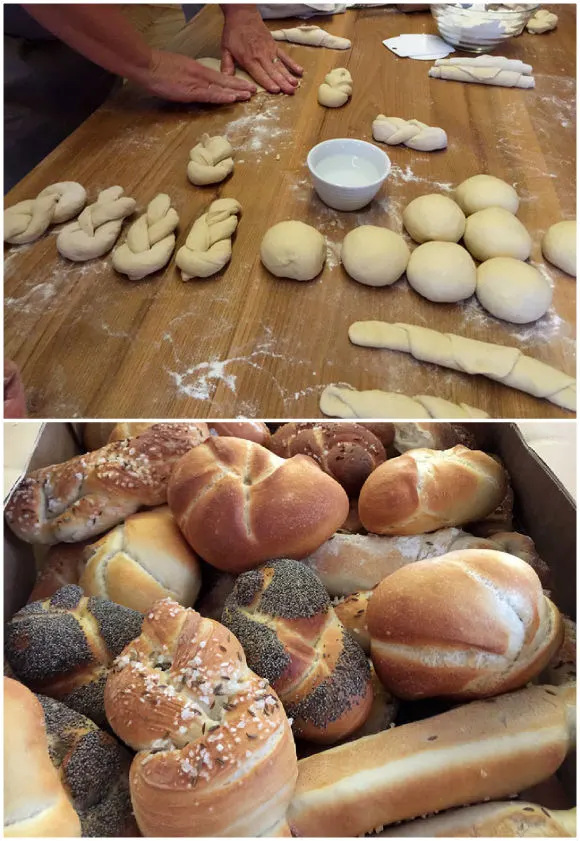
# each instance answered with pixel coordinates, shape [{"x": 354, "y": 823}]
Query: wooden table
[{"x": 91, "y": 343}]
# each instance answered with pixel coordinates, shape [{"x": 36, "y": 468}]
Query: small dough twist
[
  {"x": 411, "y": 133},
  {"x": 208, "y": 247},
  {"x": 150, "y": 240},
  {"x": 336, "y": 88},
  {"x": 311, "y": 36},
  {"x": 344, "y": 401},
  {"x": 483, "y": 76},
  {"x": 542, "y": 21},
  {"x": 29, "y": 219},
  {"x": 210, "y": 161},
  {"x": 507, "y": 365},
  {"x": 95, "y": 231}
]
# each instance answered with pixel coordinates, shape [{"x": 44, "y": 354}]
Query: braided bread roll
[
  {"x": 411, "y": 133},
  {"x": 216, "y": 755},
  {"x": 336, "y": 88},
  {"x": 208, "y": 247},
  {"x": 28, "y": 220},
  {"x": 95, "y": 231},
  {"x": 150, "y": 240},
  {"x": 210, "y": 161},
  {"x": 283, "y": 617}
]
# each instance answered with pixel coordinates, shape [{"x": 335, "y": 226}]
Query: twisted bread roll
[
  {"x": 150, "y": 240},
  {"x": 208, "y": 247},
  {"x": 210, "y": 161},
  {"x": 292, "y": 637},
  {"x": 469, "y": 624},
  {"x": 64, "y": 647},
  {"x": 142, "y": 560},
  {"x": 483, "y": 750},
  {"x": 97, "y": 228},
  {"x": 252, "y": 430},
  {"x": 346, "y": 451},
  {"x": 28, "y": 220},
  {"x": 239, "y": 505},
  {"x": 35, "y": 802},
  {"x": 411, "y": 133},
  {"x": 91, "y": 493},
  {"x": 336, "y": 88},
  {"x": 425, "y": 490},
  {"x": 311, "y": 36},
  {"x": 216, "y": 754}
]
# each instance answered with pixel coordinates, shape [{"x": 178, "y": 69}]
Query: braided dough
[
  {"x": 507, "y": 365},
  {"x": 344, "y": 401},
  {"x": 542, "y": 21},
  {"x": 210, "y": 161},
  {"x": 411, "y": 133},
  {"x": 311, "y": 36},
  {"x": 28, "y": 220},
  {"x": 336, "y": 88},
  {"x": 208, "y": 247},
  {"x": 97, "y": 228},
  {"x": 150, "y": 240},
  {"x": 484, "y": 75}
]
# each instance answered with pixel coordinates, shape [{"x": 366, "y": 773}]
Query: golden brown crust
[
  {"x": 64, "y": 564},
  {"x": 434, "y": 436},
  {"x": 352, "y": 612},
  {"x": 128, "y": 429},
  {"x": 255, "y": 431},
  {"x": 561, "y": 670},
  {"x": 384, "y": 431}
]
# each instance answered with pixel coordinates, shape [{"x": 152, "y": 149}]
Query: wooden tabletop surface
[{"x": 91, "y": 343}]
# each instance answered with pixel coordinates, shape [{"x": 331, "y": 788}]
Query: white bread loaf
[{"x": 425, "y": 490}]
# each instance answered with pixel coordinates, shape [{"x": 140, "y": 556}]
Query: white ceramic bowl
[{"x": 347, "y": 173}]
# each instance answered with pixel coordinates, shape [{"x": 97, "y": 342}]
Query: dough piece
[
  {"x": 336, "y": 88},
  {"x": 311, "y": 36},
  {"x": 495, "y": 232},
  {"x": 411, "y": 133},
  {"x": 374, "y": 256},
  {"x": 542, "y": 21},
  {"x": 483, "y": 76},
  {"x": 559, "y": 246},
  {"x": 482, "y": 191},
  {"x": 96, "y": 230},
  {"x": 293, "y": 249},
  {"x": 215, "y": 64},
  {"x": 210, "y": 161},
  {"x": 434, "y": 217},
  {"x": 507, "y": 365},
  {"x": 150, "y": 240},
  {"x": 208, "y": 247},
  {"x": 500, "y": 62},
  {"x": 28, "y": 220},
  {"x": 513, "y": 290},
  {"x": 343, "y": 401},
  {"x": 442, "y": 272}
]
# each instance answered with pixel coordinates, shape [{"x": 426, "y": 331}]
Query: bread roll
[
  {"x": 425, "y": 490},
  {"x": 478, "y": 751},
  {"x": 384, "y": 431},
  {"x": 91, "y": 493},
  {"x": 352, "y": 612},
  {"x": 216, "y": 753},
  {"x": 63, "y": 564},
  {"x": 239, "y": 504},
  {"x": 64, "y": 647},
  {"x": 129, "y": 429},
  {"x": 255, "y": 431},
  {"x": 561, "y": 670},
  {"x": 283, "y": 618},
  {"x": 469, "y": 624},
  {"x": 35, "y": 802},
  {"x": 346, "y": 451},
  {"x": 433, "y": 436},
  {"x": 144, "y": 559},
  {"x": 501, "y": 518},
  {"x": 96, "y": 435}
]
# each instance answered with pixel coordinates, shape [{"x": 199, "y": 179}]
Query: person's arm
[{"x": 103, "y": 34}]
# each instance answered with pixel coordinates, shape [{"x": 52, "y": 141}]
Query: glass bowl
[{"x": 477, "y": 31}]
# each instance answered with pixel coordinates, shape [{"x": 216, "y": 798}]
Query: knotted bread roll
[
  {"x": 283, "y": 617},
  {"x": 239, "y": 504},
  {"x": 216, "y": 754},
  {"x": 28, "y": 220},
  {"x": 469, "y": 624},
  {"x": 210, "y": 161}
]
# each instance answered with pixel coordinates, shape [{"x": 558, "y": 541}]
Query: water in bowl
[{"x": 346, "y": 170}]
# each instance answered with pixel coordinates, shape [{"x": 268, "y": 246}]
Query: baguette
[{"x": 485, "y": 749}]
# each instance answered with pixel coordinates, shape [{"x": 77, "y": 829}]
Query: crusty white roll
[
  {"x": 144, "y": 559},
  {"x": 239, "y": 504},
  {"x": 469, "y": 624},
  {"x": 35, "y": 802},
  {"x": 478, "y": 751},
  {"x": 433, "y": 436},
  {"x": 216, "y": 753},
  {"x": 425, "y": 490}
]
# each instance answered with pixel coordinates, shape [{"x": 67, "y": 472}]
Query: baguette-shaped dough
[
  {"x": 344, "y": 401},
  {"x": 483, "y": 76},
  {"x": 311, "y": 36},
  {"x": 507, "y": 365},
  {"x": 498, "y": 61}
]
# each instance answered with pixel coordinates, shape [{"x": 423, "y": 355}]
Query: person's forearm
[{"x": 99, "y": 32}]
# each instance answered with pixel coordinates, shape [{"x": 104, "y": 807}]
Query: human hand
[
  {"x": 181, "y": 79},
  {"x": 14, "y": 397},
  {"x": 247, "y": 40}
]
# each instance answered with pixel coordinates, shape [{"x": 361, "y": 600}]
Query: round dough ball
[
  {"x": 434, "y": 217},
  {"x": 374, "y": 256},
  {"x": 512, "y": 290},
  {"x": 293, "y": 249},
  {"x": 496, "y": 232},
  {"x": 559, "y": 246},
  {"x": 442, "y": 272},
  {"x": 482, "y": 191}
]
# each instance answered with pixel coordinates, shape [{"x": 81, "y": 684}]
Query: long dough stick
[
  {"x": 498, "y": 61},
  {"x": 343, "y": 401},
  {"x": 483, "y": 76},
  {"x": 311, "y": 36},
  {"x": 507, "y": 365}
]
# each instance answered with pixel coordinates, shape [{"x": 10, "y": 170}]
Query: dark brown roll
[
  {"x": 384, "y": 431},
  {"x": 433, "y": 436},
  {"x": 292, "y": 636}
]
